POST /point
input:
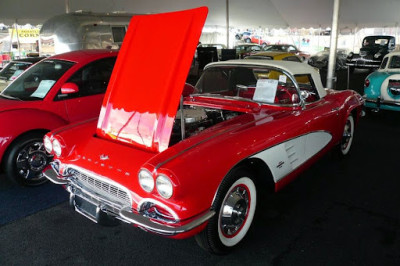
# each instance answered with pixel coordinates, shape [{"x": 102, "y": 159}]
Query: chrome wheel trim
[
  {"x": 347, "y": 137},
  {"x": 237, "y": 211},
  {"x": 31, "y": 160}
]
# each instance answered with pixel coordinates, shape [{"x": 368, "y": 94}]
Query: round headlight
[
  {"x": 164, "y": 186},
  {"x": 377, "y": 55},
  {"x": 350, "y": 55},
  {"x": 57, "y": 147},
  {"x": 146, "y": 180},
  {"x": 47, "y": 144}
]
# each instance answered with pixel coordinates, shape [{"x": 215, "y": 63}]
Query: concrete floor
[{"x": 338, "y": 212}]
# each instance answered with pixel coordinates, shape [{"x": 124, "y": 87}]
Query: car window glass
[
  {"x": 92, "y": 79},
  {"x": 261, "y": 84},
  {"x": 292, "y": 58},
  {"x": 384, "y": 63},
  {"x": 37, "y": 81},
  {"x": 291, "y": 49},
  {"x": 118, "y": 34},
  {"x": 9, "y": 71},
  {"x": 306, "y": 83},
  {"x": 394, "y": 62}
]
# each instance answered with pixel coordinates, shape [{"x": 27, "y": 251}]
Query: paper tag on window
[
  {"x": 282, "y": 78},
  {"x": 265, "y": 90},
  {"x": 44, "y": 87}
]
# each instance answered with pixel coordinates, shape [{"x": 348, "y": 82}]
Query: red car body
[
  {"x": 39, "y": 101},
  {"x": 191, "y": 172}
]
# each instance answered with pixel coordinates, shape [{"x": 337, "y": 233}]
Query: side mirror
[{"x": 69, "y": 88}]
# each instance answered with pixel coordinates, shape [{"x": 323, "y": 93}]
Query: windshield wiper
[{"x": 10, "y": 97}]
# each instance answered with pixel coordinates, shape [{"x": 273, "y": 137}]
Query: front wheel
[
  {"x": 235, "y": 206},
  {"x": 26, "y": 159}
]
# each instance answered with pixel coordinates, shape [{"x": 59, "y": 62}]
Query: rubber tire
[
  {"x": 10, "y": 156},
  {"x": 209, "y": 239},
  {"x": 340, "y": 152}
]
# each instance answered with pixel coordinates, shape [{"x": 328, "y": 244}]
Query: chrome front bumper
[
  {"x": 100, "y": 210},
  {"x": 378, "y": 101}
]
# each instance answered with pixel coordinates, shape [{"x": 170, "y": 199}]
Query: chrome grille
[{"x": 102, "y": 188}]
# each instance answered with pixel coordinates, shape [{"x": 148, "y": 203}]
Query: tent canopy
[{"x": 251, "y": 13}]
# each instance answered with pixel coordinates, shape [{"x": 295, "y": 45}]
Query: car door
[
  {"x": 323, "y": 114},
  {"x": 92, "y": 80}
]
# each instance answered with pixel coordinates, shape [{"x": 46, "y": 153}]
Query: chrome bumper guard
[{"x": 99, "y": 210}]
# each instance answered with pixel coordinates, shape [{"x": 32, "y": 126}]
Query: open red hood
[{"x": 148, "y": 78}]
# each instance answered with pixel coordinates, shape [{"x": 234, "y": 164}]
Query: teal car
[{"x": 382, "y": 87}]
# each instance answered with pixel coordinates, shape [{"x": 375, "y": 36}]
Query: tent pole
[
  {"x": 332, "y": 51},
  {"x": 67, "y": 6},
  {"x": 227, "y": 23}
]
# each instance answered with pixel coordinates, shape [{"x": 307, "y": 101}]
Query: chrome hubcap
[
  {"x": 31, "y": 160},
  {"x": 234, "y": 211}
]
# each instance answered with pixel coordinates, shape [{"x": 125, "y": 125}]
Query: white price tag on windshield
[
  {"x": 265, "y": 90},
  {"x": 43, "y": 88}
]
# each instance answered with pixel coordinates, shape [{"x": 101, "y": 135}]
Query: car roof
[
  {"x": 393, "y": 53},
  {"x": 79, "y": 55},
  {"x": 294, "y": 68}
]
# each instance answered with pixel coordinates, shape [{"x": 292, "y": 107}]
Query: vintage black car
[
  {"x": 320, "y": 60},
  {"x": 373, "y": 49}
]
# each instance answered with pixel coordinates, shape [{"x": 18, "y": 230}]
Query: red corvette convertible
[
  {"x": 195, "y": 166},
  {"x": 60, "y": 90}
]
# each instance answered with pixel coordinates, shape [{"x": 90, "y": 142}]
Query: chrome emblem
[{"x": 104, "y": 157}]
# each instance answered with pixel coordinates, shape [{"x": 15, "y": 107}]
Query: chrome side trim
[{"x": 161, "y": 229}]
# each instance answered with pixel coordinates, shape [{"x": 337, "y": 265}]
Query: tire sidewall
[{"x": 249, "y": 183}]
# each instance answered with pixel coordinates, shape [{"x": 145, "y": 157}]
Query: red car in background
[
  {"x": 259, "y": 40},
  {"x": 57, "y": 91}
]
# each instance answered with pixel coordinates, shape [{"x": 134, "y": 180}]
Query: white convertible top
[{"x": 293, "y": 68}]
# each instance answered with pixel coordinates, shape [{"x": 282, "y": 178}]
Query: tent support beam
[
  {"x": 67, "y": 6},
  {"x": 227, "y": 23},
  {"x": 332, "y": 51}
]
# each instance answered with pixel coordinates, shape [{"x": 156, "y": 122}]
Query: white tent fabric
[{"x": 250, "y": 13}]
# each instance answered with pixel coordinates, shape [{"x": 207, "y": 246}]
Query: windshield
[
  {"x": 255, "y": 83},
  {"x": 36, "y": 82},
  {"x": 375, "y": 42}
]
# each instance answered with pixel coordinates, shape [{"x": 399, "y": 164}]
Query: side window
[
  {"x": 118, "y": 33},
  {"x": 384, "y": 63},
  {"x": 292, "y": 49},
  {"x": 306, "y": 83},
  {"x": 213, "y": 80},
  {"x": 93, "y": 78},
  {"x": 394, "y": 62}
]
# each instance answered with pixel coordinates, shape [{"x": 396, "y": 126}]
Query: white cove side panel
[{"x": 285, "y": 157}]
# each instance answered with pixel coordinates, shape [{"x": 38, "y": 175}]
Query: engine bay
[{"x": 197, "y": 119}]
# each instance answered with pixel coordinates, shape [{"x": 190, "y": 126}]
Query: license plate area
[{"x": 86, "y": 208}]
